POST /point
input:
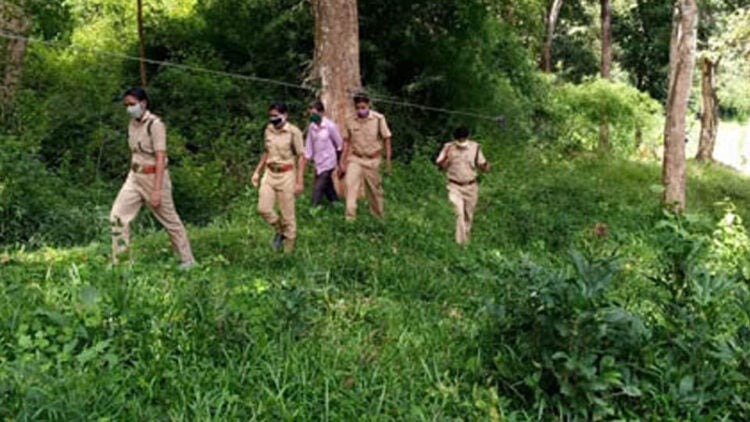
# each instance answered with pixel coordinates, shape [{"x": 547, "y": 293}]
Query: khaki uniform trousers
[
  {"x": 134, "y": 193},
  {"x": 464, "y": 200},
  {"x": 279, "y": 187},
  {"x": 364, "y": 170}
]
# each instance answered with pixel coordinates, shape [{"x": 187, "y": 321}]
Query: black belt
[{"x": 456, "y": 182}]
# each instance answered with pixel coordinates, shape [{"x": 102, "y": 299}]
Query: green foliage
[
  {"x": 35, "y": 206},
  {"x": 577, "y": 111},
  {"x": 590, "y": 350},
  {"x": 643, "y": 31},
  {"x": 390, "y": 319}
]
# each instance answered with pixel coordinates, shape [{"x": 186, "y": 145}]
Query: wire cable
[{"x": 196, "y": 69}]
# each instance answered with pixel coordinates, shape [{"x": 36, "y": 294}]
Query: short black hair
[
  {"x": 279, "y": 106},
  {"x": 361, "y": 97},
  {"x": 318, "y": 105},
  {"x": 139, "y": 94},
  {"x": 461, "y": 132}
]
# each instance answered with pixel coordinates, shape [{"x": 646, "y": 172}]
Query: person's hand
[
  {"x": 342, "y": 168},
  {"x": 256, "y": 179},
  {"x": 299, "y": 188},
  {"x": 388, "y": 168},
  {"x": 155, "y": 200}
]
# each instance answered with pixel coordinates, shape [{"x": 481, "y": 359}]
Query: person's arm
[
  {"x": 308, "y": 155},
  {"x": 158, "y": 134},
  {"x": 259, "y": 168},
  {"x": 444, "y": 157},
  {"x": 345, "y": 152},
  {"x": 388, "y": 156},
  {"x": 301, "y": 163},
  {"x": 338, "y": 143},
  {"x": 482, "y": 162},
  {"x": 385, "y": 135},
  {"x": 298, "y": 148},
  {"x": 161, "y": 165}
]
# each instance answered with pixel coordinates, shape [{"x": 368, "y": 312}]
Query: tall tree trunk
[
  {"x": 142, "y": 44},
  {"x": 550, "y": 21},
  {"x": 336, "y": 60},
  {"x": 710, "y": 115},
  {"x": 681, "y": 64},
  {"x": 14, "y": 19},
  {"x": 606, "y": 17},
  {"x": 606, "y": 69}
]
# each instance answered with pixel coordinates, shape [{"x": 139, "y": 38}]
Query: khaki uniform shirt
[
  {"x": 283, "y": 145},
  {"x": 462, "y": 161},
  {"x": 366, "y": 135},
  {"x": 144, "y": 145}
]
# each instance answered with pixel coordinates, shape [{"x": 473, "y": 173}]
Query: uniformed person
[
  {"x": 365, "y": 137},
  {"x": 461, "y": 159},
  {"x": 281, "y": 181},
  {"x": 147, "y": 182}
]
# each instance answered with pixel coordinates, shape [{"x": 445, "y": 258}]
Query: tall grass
[{"x": 383, "y": 320}]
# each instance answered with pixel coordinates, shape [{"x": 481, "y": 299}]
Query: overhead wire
[{"x": 221, "y": 73}]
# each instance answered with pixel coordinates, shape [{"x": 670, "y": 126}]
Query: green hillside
[{"x": 539, "y": 317}]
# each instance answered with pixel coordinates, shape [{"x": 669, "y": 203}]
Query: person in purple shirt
[{"x": 323, "y": 145}]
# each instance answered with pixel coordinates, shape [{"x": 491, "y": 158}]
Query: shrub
[
  {"x": 577, "y": 111},
  {"x": 565, "y": 340}
]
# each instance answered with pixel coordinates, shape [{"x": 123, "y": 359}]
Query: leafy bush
[
  {"x": 577, "y": 112},
  {"x": 566, "y": 342},
  {"x": 35, "y": 205}
]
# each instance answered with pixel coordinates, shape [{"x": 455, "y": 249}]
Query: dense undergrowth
[{"x": 577, "y": 300}]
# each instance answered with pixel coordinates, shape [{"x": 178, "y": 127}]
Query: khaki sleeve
[
  {"x": 347, "y": 131},
  {"x": 385, "y": 131},
  {"x": 158, "y": 135},
  {"x": 297, "y": 143},
  {"x": 480, "y": 159},
  {"x": 441, "y": 156},
  {"x": 265, "y": 139}
]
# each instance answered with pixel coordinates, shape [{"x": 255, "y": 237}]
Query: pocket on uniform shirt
[{"x": 146, "y": 150}]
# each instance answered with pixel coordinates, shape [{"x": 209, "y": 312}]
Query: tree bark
[
  {"x": 336, "y": 59},
  {"x": 550, "y": 21},
  {"x": 142, "y": 44},
  {"x": 606, "y": 17},
  {"x": 681, "y": 64},
  {"x": 15, "y": 20},
  {"x": 710, "y": 114},
  {"x": 606, "y": 68}
]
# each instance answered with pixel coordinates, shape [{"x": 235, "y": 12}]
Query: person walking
[
  {"x": 366, "y": 135},
  {"x": 461, "y": 160},
  {"x": 280, "y": 182},
  {"x": 323, "y": 145},
  {"x": 147, "y": 182}
]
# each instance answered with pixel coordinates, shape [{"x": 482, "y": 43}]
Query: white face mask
[
  {"x": 462, "y": 144},
  {"x": 135, "y": 111}
]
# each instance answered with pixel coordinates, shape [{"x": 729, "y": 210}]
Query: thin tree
[
  {"x": 336, "y": 58},
  {"x": 710, "y": 112},
  {"x": 606, "y": 22},
  {"x": 550, "y": 21},
  {"x": 606, "y": 68},
  {"x": 681, "y": 64},
  {"x": 16, "y": 20},
  {"x": 142, "y": 44}
]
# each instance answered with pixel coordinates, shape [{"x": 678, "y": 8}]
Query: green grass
[{"x": 367, "y": 321}]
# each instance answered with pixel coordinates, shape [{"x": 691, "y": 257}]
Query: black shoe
[{"x": 278, "y": 241}]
